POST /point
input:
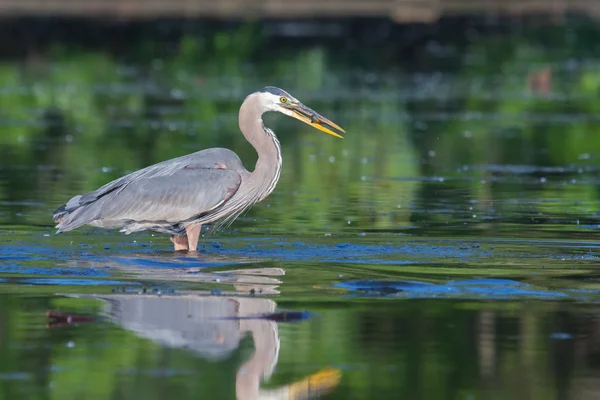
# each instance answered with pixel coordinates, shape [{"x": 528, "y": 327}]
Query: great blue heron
[{"x": 211, "y": 186}]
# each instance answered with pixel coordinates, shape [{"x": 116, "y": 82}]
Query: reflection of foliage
[
  {"x": 110, "y": 117},
  {"x": 494, "y": 120},
  {"x": 426, "y": 349},
  {"x": 118, "y": 118}
]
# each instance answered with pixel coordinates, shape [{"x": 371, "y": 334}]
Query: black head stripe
[{"x": 274, "y": 90}]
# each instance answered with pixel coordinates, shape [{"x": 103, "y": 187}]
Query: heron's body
[{"x": 180, "y": 195}]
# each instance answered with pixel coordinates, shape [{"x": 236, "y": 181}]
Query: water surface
[{"x": 445, "y": 248}]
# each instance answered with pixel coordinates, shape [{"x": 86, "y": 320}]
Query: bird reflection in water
[{"x": 213, "y": 327}]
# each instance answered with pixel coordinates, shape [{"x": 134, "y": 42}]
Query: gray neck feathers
[{"x": 268, "y": 166}]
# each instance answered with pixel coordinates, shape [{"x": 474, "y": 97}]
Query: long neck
[{"x": 268, "y": 166}]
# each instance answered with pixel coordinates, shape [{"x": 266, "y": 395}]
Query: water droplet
[
  {"x": 584, "y": 156},
  {"x": 543, "y": 180},
  {"x": 177, "y": 94},
  {"x": 431, "y": 153},
  {"x": 331, "y": 159}
]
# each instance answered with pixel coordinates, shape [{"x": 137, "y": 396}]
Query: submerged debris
[
  {"x": 57, "y": 319},
  {"x": 284, "y": 316}
]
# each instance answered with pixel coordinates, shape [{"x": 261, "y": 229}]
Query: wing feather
[
  {"x": 173, "y": 198},
  {"x": 169, "y": 192}
]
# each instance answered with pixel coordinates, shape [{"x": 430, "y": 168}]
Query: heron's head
[{"x": 275, "y": 99}]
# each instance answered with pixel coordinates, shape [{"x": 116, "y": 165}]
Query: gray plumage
[
  {"x": 161, "y": 197},
  {"x": 180, "y": 195}
]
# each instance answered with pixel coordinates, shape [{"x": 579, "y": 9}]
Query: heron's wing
[
  {"x": 174, "y": 198},
  {"x": 172, "y": 191},
  {"x": 204, "y": 159}
]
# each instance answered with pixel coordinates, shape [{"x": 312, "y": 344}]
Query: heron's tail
[
  {"x": 59, "y": 214},
  {"x": 72, "y": 215},
  {"x": 67, "y": 221}
]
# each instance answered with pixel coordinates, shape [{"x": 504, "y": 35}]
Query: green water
[{"x": 445, "y": 248}]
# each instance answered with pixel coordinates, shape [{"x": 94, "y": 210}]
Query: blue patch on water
[
  {"x": 256, "y": 250},
  {"x": 23, "y": 269},
  {"x": 361, "y": 253},
  {"x": 160, "y": 262},
  {"x": 479, "y": 288},
  {"x": 73, "y": 282}
]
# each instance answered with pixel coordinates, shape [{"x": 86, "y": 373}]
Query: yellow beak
[{"x": 308, "y": 116}]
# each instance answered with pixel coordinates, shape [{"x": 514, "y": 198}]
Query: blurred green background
[
  {"x": 452, "y": 126},
  {"x": 475, "y": 135}
]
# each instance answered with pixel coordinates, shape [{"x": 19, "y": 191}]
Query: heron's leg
[
  {"x": 193, "y": 233},
  {"x": 180, "y": 242}
]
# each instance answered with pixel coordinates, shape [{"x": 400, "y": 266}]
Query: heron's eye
[{"x": 283, "y": 100}]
